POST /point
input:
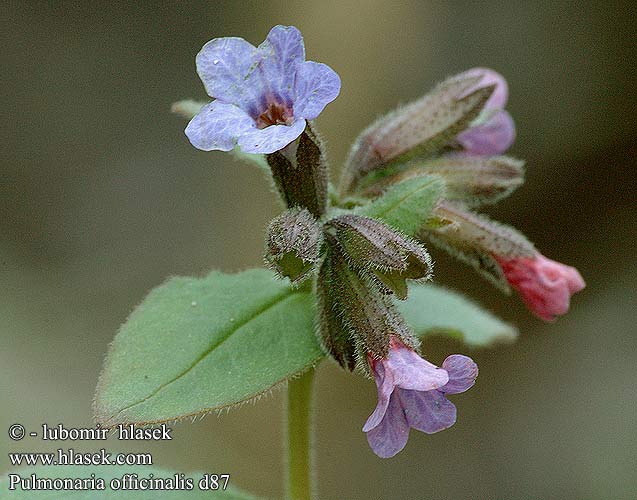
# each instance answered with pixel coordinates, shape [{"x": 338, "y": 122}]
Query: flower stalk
[{"x": 300, "y": 461}]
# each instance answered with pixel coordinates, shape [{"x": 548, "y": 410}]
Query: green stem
[{"x": 299, "y": 438}]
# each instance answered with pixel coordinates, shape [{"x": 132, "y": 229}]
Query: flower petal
[
  {"x": 223, "y": 65},
  {"x": 410, "y": 371},
  {"x": 462, "y": 373},
  {"x": 270, "y": 139},
  {"x": 385, "y": 385},
  {"x": 279, "y": 57},
  {"x": 316, "y": 86},
  {"x": 492, "y": 137},
  {"x": 427, "y": 411},
  {"x": 500, "y": 95},
  {"x": 391, "y": 435},
  {"x": 287, "y": 43},
  {"x": 217, "y": 126}
]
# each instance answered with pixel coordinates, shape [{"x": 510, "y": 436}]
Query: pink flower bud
[{"x": 545, "y": 286}]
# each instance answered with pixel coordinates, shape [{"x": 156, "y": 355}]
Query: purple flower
[
  {"x": 411, "y": 394},
  {"x": 495, "y": 131},
  {"x": 263, "y": 95}
]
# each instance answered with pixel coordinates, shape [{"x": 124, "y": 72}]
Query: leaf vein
[{"x": 237, "y": 326}]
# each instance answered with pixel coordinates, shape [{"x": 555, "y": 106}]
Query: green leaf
[
  {"x": 407, "y": 205},
  {"x": 108, "y": 473},
  {"x": 200, "y": 344},
  {"x": 432, "y": 310}
]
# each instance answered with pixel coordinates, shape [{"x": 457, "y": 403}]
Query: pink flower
[
  {"x": 411, "y": 394},
  {"x": 545, "y": 286}
]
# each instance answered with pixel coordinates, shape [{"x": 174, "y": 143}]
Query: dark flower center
[{"x": 276, "y": 114}]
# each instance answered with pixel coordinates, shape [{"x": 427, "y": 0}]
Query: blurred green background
[{"x": 102, "y": 198}]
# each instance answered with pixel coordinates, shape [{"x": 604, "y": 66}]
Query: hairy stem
[{"x": 299, "y": 438}]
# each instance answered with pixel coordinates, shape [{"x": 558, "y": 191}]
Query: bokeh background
[{"x": 102, "y": 198}]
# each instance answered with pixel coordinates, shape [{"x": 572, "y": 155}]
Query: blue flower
[{"x": 263, "y": 95}]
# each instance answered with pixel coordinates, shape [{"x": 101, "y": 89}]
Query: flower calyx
[
  {"x": 375, "y": 249},
  {"x": 355, "y": 316},
  {"x": 299, "y": 171},
  {"x": 293, "y": 244}
]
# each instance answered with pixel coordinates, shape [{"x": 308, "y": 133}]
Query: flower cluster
[
  {"x": 465, "y": 148},
  {"x": 447, "y": 146}
]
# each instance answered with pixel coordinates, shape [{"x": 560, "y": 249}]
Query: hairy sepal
[
  {"x": 293, "y": 244},
  {"x": 476, "y": 240},
  {"x": 472, "y": 180},
  {"x": 389, "y": 257},
  {"x": 300, "y": 173},
  {"x": 359, "y": 307},
  {"x": 417, "y": 130}
]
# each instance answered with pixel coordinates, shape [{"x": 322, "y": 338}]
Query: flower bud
[
  {"x": 545, "y": 286},
  {"x": 493, "y": 131},
  {"x": 293, "y": 244},
  {"x": 418, "y": 129},
  {"x": 355, "y": 317},
  {"x": 492, "y": 137},
  {"x": 506, "y": 257},
  {"x": 389, "y": 257},
  {"x": 476, "y": 239},
  {"x": 487, "y": 77},
  {"x": 473, "y": 180}
]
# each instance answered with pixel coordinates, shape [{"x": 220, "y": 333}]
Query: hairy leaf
[
  {"x": 200, "y": 344},
  {"x": 407, "y": 205}
]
